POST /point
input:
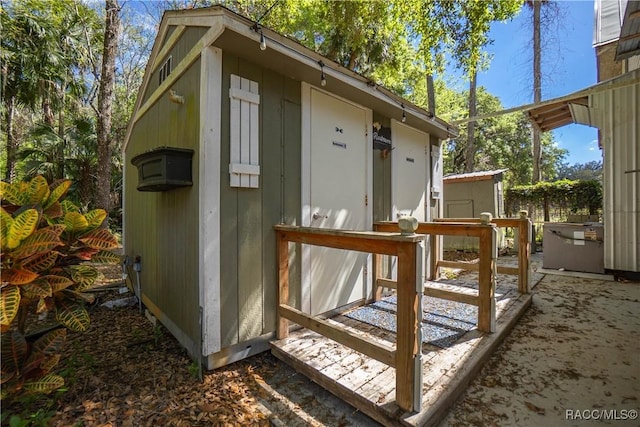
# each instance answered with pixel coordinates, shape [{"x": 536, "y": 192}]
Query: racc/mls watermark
[{"x": 601, "y": 414}]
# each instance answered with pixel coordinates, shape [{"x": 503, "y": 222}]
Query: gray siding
[
  {"x": 468, "y": 200},
  {"x": 247, "y": 254},
  {"x": 189, "y": 38},
  {"x": 381, "y": 178},
  {"x": 482, "y": 196},
  {"x": 162, "y": 227}
]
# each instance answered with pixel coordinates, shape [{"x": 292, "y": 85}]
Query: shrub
[
  {"x": 573, "y": 195},
  {"x": 46, "y": 243}
]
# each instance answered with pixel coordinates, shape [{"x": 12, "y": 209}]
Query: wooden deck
[{"x": 370, "y": 385}]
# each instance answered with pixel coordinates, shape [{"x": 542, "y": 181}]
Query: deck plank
[
  {"x": 382, "y": 389},
  {"x": 351, "y": 361},
  {"x": 365, "y": 373},
  {"x": 369, "y": 385}
]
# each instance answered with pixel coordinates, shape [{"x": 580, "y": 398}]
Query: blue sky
[{"x": 569, "y": 65}]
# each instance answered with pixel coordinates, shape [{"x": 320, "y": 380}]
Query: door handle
[{"x": 316, "y": 215}]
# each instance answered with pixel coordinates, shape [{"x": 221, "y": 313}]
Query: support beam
[
  {"x": 524, "y": 253},
  {"x": 451, "y": 295},
  {"x": 362, "y": 241},
  {"x": 379, "y": 352},
  {"x": 283, "y": 284},
  {"x": 408, "y": 334},
  {"x": 514, "y": 271},
  {"x": 377, "y": 287},
  {"x": 386, "y": 283},
  {"x": 486, "y": 282}
]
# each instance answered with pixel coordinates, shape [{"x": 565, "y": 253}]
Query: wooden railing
[
  {"x": 523, "y": 227},
  {"x": 405, "y": 358},
  {"x": 485, "y": 298}
]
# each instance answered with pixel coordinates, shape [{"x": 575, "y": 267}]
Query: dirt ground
[
  {"x": 573, "y": 359},
  {"x": 577, "y": 349}
]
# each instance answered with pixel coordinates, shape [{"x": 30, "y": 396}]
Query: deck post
[
  {"x": 377, "y": 273},
  {"x": 283, "y": 283},
  {"x": 409, "y": 332},
  {"x": 524, "y": 253},
  {"x": 486, "y": 276},
  {"x": 434, "y": 258}
]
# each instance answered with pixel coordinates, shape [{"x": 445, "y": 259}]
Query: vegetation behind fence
[{"x": 555, "y": 201}]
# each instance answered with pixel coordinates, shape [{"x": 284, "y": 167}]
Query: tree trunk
[
  {"x": 537, "y": 91},
  {"x": 105, "y": 102},
  {"x": 47, "y": 113},
  {"x": 471, "y": 127},
  {"x": 10, "y": 173},
  {"x": 547, "y": 209},
  {"x": 431, "y": 94}
]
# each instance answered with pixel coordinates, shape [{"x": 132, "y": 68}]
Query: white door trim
[{"x": 305, "y": 299}]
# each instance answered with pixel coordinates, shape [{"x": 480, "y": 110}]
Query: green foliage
[
  {"x": 572, "y": 194},
  {"x": 49, "y": 67},
  {"x": 581, "y": 171},
  {"x": 459, "y": 27},
  {"x": 395, "y": 43},
  {"x": 36, "y": 411},
  {"x": 194, "y": 369},
  {"x": 46, "y": 241},
  {"x": 502, "y": 142},
  {"x": 43, "y": 43}
]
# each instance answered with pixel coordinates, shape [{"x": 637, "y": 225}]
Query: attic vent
[
  {"x": 165, "y": 70},
  {"x": 244, "y": 164}
]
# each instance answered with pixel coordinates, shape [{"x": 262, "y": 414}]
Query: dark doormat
[{"x": 443, "y": 321}]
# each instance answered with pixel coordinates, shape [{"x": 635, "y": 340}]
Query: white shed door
[
  {"x": 409, "y": 172},
  {"x": 338, "y": 190}
]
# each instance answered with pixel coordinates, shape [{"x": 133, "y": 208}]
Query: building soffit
[
  {"x": 629, "y": 41},
  {"x": 557, "y": 112}
]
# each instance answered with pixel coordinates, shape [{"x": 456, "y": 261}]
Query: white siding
[{"x": 618, "y": 118}]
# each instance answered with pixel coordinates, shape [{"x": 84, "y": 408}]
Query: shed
[
  {"x": 468, "y": 195},
  {"x": 227, "y": 140}
]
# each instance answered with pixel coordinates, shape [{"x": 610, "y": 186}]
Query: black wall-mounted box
[{"x": 163, "y": 169}]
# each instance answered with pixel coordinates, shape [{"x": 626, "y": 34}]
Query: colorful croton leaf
[{"x": 49, "y": 249}]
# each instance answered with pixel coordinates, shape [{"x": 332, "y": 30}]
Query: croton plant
[{"x": 47, "y": 244}]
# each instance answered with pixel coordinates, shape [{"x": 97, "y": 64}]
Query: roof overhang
[
  {"x": 574, "y": 108},
  {"x": 241, "y": 36},
  {"x": 551, "y": 116},
  {"x": 474, "y": 176},
  {"x": 629, "y": 41},
  {"x": 564, "y": 110}
]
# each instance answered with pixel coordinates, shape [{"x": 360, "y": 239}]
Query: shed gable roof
[
  {"x": 241, "y": 36},
  {"x": 474, "y": 176}
]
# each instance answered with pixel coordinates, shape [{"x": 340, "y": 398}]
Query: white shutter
[
  {"x": 436, "y": 172},
  {"x": 244, "y": 166}
]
